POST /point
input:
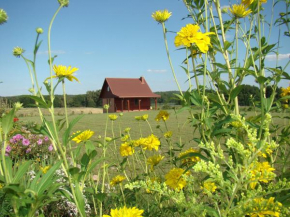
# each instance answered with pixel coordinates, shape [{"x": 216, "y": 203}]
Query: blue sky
[{"x": 102, "y": 38}]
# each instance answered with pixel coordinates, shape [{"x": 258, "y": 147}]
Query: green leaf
[
  {"x": 46, "y": 179},
  {"x": 7, "y": 121},
  {"x": 80, "y": 200},
  {"x": 235, "y": 92},
  {"x": 94, "y": 164},
  {"x": 89, "y": 147},
  {"x": 66, "y": 135},
  {"x": 227, "y": 45},
  {"x": 85, "y": 161},
  {"x": 101, "y": 196},
  {"x": 196, "y": 98},
  {"x": 267, "y": 104},
  {"x": 21, "y": 171},
  {"x": 41, "y": 103}
]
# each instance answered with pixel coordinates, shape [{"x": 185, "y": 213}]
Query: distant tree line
[
  {"x": 90, "y": 99},
  {"x": 247, "y": 95}
]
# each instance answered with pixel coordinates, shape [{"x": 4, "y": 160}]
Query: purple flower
[
  {"x": 50, "y": 148},
  {"x": 28, "y": 150},
  {"x": 46, "y": 138},
  {"x": 17, "y": 137},
  {"x": 39, "y": 142},
  {"x": 8, "y": 148},
  {"x": 12, "y": 141},
  {"x": 25, "y": 142}
]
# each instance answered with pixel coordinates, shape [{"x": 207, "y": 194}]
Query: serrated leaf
[{"x": 235, "y": 92}]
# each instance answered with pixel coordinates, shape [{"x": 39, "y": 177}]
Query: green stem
[
  {"x": 66, "y": 120},
  {"x": 170, "y": 62},
  {"x": 187, "y": 72}
]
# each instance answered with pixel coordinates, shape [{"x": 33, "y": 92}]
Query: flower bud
[
  {"x": 225, "y": 10},
  {"x": 3, "y": 16},
  {"x": 39, "y": 30},
  {"x": 17, "y": 51},
  {"x": 106, "y": 106},
  {"x": 63, "y": 3},
  {"x": 18, "y": 105},
  {"x": 31, "y": 90}
]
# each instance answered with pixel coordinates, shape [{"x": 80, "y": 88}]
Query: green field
[{"x": 177, "y": 123}]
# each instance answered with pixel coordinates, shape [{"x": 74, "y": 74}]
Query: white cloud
[
  {"x": 157, "y": 70},
  {"x": 273, "y": 57},
  {"x": 225, "y": 6},
  {"x": 52, "y": 52}
]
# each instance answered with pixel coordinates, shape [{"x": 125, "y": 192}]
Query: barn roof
[{"x": 127, "y": 88}]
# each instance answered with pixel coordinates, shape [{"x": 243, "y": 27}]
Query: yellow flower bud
[
  {"x": 39, "y": 30},
  {"x": 3, "y": 16},
  {"x": 63, "y": 3},
  {"x": 17, "y": 51}
]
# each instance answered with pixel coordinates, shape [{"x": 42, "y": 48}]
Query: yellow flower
[
  {"x": 189, "y": 159},
  {"x": 210, "y": 186},
  {"x": 161, "y": 16},
  {"x": 154, "y": 160},
  {"x": 190, "y": 35},
  {"x": 262, "y": 172},
  {"x": 261, "y": 207},
  {"x": 144, "y": 117},
  {"x": 162, "y": 115},
  {"x": 247, "y": 3},
  {"x": 151, "y": 142},
  {"x": 126, "y": 149},
  {"x": 263, "y": 1},
  {"x": 139, "y": 142},
  {"x": 113, "y": 117},
  {"x": 168, "y": 134},
  {"x": 125, "y": 212},
  {"x": 83, "y": 136},
  {"x": 117, "y": 180},
  {"x": 240, "y": 11},
  {"x": 64, "y": 72},
  {"x": 1, "y": 185},
  {"x": 285, "y": 91},
  {"x": 174, "y": 179},
  {"x": 18, "y": 51},
  {"x": 44, "y": 169}
]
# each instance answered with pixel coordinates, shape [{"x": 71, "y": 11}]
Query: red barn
[{"x": 127, "y": 94}]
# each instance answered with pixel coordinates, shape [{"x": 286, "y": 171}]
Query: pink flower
[
  {"x": 28, "y": 150},
  {"x": 8, "y": 148},
  {"x": 46, "y": 138},
  {"x": 50, "y": 148},
  {"x": 39, "y": 142},
  {"x": 17, "y": 137},
  {"x": 25, "y": 142}
]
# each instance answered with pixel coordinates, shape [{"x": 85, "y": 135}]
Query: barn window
[{"x": 108, "y": 88}]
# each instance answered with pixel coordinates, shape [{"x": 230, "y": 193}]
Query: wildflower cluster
[{"x": 29, "y": 146}]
